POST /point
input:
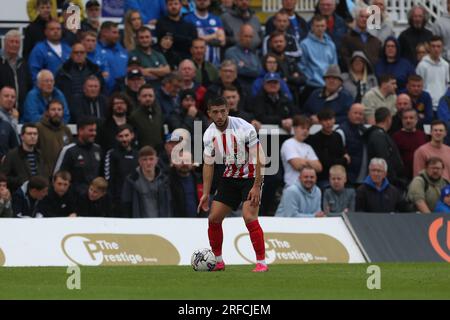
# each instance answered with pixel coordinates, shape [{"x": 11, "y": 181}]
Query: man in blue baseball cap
[{"x": 443, "y": 205}]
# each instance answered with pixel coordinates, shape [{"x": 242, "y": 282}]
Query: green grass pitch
[{"x": 282, "y": 282}]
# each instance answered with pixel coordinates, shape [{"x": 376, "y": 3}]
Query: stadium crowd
[{"x": 136, "y": 94}]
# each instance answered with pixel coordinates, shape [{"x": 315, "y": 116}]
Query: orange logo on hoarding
[{"x": 433, "y": 234}]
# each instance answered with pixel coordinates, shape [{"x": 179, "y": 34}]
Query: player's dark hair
[
  {"x": 217, "y": 101},
  {"x": 3, "y": 178}
]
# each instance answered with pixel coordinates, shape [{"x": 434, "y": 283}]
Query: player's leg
[
  {"x": 250, "y": 215},
  {"x": 227, "y": 199},
  {"x": 218, "y": 212}
]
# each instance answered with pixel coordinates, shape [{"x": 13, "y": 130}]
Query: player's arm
[
  {"x": 208, "y": 173},
  {"x": 257, "y": 153}
]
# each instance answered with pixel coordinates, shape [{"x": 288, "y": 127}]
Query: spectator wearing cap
[
  {"x": 333, "y": 96},
  {"x": 148, "y": 119},
  {"x": 187, "y": 113},
  {"x": 179, "y": 137},
  {"x": 97, "y": 56},
  {"x": 33, "y": 9},
  {"x": 318, "y": 53},
  {"x": 381, "y": 96},
  {"x": 92, "y": 20},
  {"x": 134, "y": 63},
  {"x": 51, "y": 53},
  {"x": 35, "y": 31},
  {"x": 271, "y": 106},
  {"x": 150, "y": 11},
  {"x": 120, "y": 161},
  {"x": 165, "y": 46},
  {"x": 133, "y": 82},
  {"x": 154, "y": 64},
  {"x": 287, "y": 65},
  {"x": 183, "y": 32},
  {"x": 91, "y": 102},
  {"x": 116, "y": 54},
  {"x": 206, "y": 73},
  {"x": 167, "y": 94},
  {"x": 118, "y": 111},
  {"x": 443, "y": 205},
  {"x": 248, "y": 63},
  {"x": 39, "y": 97},
  {"x": 72, "y": 75},
  {"x": 328, "y": 146}
]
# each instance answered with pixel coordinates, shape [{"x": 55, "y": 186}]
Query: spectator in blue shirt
[
  {"x": 116, "y": 55},
  {"x": 38, "y": 98},
  {"x": 51, "y": 53}
]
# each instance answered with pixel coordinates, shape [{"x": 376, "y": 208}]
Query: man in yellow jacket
[{"x": 32, "y": 8}]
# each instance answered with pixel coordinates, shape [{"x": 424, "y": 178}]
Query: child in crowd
[
  {"x": 96, "y": 203},
  {"x": 443, "y": 205},
  {"x": 338, "y": 198}
]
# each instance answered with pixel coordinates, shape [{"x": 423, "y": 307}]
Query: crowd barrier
[{"x": 103, "y": 241}]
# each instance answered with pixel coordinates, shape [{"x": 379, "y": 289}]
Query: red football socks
[
  {"x": 215, "y": 235},
  {"x": 257, "y": 237}
]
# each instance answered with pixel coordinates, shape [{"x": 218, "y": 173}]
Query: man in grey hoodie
[{"x": 302, "y": 199}]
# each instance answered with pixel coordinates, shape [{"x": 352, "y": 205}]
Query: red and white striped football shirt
[{"x": 231, "y": 147}]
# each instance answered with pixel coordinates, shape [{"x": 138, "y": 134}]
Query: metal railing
[{"x": 397, "y": 9}]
